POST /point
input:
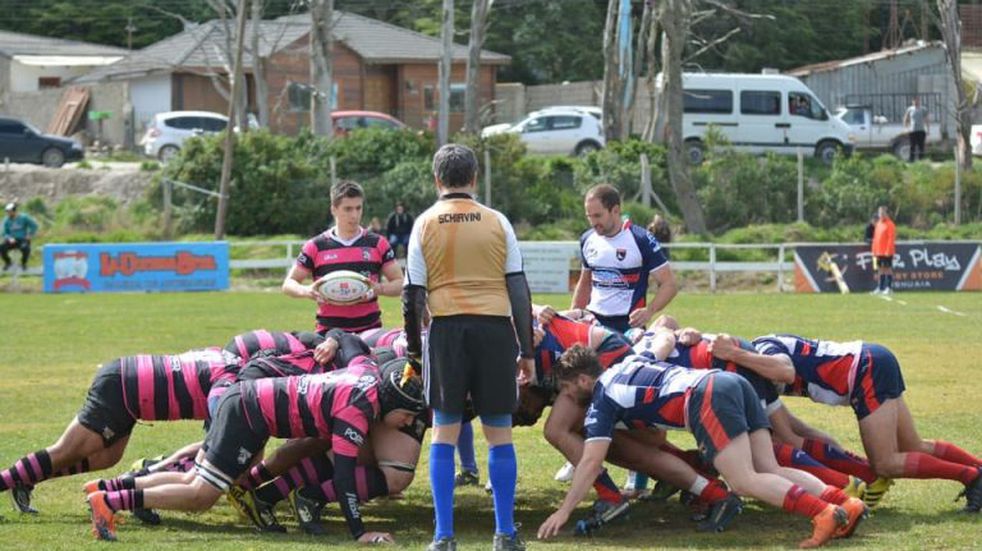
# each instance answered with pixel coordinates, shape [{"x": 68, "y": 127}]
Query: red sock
[
  {"x": 840, "y": 460},
  {"x": 834, "y": 495},
  {"x": 606, "y": 489},
  {"x": 788, "y": 456},
  {"x": 950, "y": 452},
  {"x": 800, "y": 502},
  {"x": 690, "y": 457},
  {"x": 922, "y": 465},
  {"x": 713, "y": 492}
]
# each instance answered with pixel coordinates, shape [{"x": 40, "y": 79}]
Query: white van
[{"x": 759, "y": 113}]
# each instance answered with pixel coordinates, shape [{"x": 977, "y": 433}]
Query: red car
[{"x": 346, "y": 121}]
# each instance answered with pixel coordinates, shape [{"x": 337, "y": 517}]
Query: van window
[
  {"x": 759, "y": 102},
  {"x": 707, "y": 101},
  {"x": 804, "y": 105}
]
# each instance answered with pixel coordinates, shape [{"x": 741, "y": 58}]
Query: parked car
[
  {"x": 346, "y": 121},
  {"x": 569, "y": 132},
  {"x": 20, "y": 142},
  {"x": 167, "y": 132},
  {"x": 596, "y": 112},
  {"x": 976, "y": 139},
  {"x": 877, "y": 132},
  {"x": 758, "y": 114}
]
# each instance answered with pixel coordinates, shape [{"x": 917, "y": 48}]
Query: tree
[
  {"x": 446, "y": 63},
  {"x": 472, "y": 93},
  {"x": 613, "y": 87},
  {"x": 237, "y": 84},
  {"x": 259, "y": 65},
  {"x": 951, "y": 32},
  {"x": 321, "y": 67}
]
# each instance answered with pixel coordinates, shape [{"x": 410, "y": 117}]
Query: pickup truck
[{"x": 876, "y": 132}]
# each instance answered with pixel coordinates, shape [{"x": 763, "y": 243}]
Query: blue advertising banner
[{"x": 120, "y": 267}]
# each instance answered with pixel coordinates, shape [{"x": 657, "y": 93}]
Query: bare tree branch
[{"x": 710, "y": 45}]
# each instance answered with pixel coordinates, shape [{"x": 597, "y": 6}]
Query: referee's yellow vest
[{"x": 464, "y": 246}]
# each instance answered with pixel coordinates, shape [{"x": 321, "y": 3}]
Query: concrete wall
[
  {"x": 24, "y": 78},
  {"x": 40, "y": 107},
  {"x": 37, "y": 108},
  {"x": 513, "y": 100}
]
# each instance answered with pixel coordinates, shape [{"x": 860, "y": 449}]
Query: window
[
  {"x": 49, "y": 82},
  {"x": 707, "y": 101},
  {"x": 804, "y": 105},
  {"x": 537, "y": 124},
  {"x": 299, "y": 96},
  {"x": 854, "y": 116},
  {"x": 212, "y": 124},
  {"x": 457, "y": 97},
  {"x": 429, "y": 98},
  {"x": 565, "y": 122},
  {"x": 755, "y": 102},
  {"x": 375, "y": 122},
  {"x": 11, "y": 127},
  {"x": 183, "y": 123},
  {"x": 350, "y": 123}
]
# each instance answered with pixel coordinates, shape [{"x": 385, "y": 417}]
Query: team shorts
[
  {"x": 721, "y": 407},
  {"x": 104, "y": 411},
  {"x": 471, "y": 356},
  {"x": 878, "y": 379},
  {"x": 884, "y": 262},
  {"x": 231, "y": 442},
  {"x": 417, "y": 429},
  {"x": 619, "y": 324}
]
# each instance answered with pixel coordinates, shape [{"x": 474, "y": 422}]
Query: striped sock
[
  {"x": 922, "y": 465},
  {"x": 800, "y": 502},
  {"x": 27, "y": 471},
  {"x": 118, "y": 484},
  {"x": 257, "y": 476},
  {"x": 834, "y": 495},
  {"x": 840, "y": 460},
  {"x": 788, "y": 456},
  {"x": 78, "y": 468},
  {"x": 606, "y": 489},
  {"x": 124, "y": 500},
  {"x": 950, "y": 452}
]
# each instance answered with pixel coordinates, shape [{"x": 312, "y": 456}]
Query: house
[
  {"x": 887, "y": 80},
  {"x": 377, "y": 66},
  {"x": 29, "y": 63}
]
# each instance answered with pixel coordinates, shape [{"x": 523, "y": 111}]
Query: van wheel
[
  {"x": 827, "y": 151},
  {"x": 53, "y": 157},
  {"x": 167, "y": 153},
  {"x": 585, "y": 148},
  {"x": 901, "y": 149},
  {"x": 695, "y": 152}
]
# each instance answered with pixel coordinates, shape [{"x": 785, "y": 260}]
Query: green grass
[{"x": 52, "y": 343}]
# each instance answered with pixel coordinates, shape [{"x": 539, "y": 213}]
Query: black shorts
[
  {"x": 471, "y": 356},
  {"x": 231, "y": 442},
  {"x": 723, "y": 406},
  {"x": 417, "y": 429},
  {"x": 104, "y": 411},
  {"x": 878, "y": 379},
  {"x": 884, "y": 261}
]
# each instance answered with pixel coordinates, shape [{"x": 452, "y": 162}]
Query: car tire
[
  {"x": 695, "y": 152},
  {"x": 167, "y": 153},
  {"x": 53, "y": 157},
  {"x": 826, "y": 151},
  {"x": 585, "y": 148},
  {"x": 901, "y": 149}
]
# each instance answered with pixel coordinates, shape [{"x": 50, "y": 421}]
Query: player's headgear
[
  {"x": 400, "y": 387},
  {"x": 10, "y": 206}
]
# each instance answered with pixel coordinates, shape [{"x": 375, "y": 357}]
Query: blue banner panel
[{"x": 120, "y": 267}]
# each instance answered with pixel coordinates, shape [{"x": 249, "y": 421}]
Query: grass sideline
[{"x": 52, "y": 344}]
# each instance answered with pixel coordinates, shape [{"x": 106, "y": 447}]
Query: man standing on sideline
[
  {"x": 618, "y": 258},
  {"x": 463, "y": 263},
  {"x": 884, "y": 247},
  {"x": 346, "y": 246},
  {"x": 916, "y": 119},
  {"x": 18, "y": 230},
  {"x": 398, "y": 226}
]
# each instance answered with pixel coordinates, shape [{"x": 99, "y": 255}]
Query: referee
[{"x": 463, "y": 263}]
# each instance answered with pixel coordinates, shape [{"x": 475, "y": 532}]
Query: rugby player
[
  {"x": 277, "y": 343},
  {"x": 723, "y": 413},
  {"x": 125, "y": 390},
  {"x": 338, "y": 406},
  {"x": 867, "y": 377}
]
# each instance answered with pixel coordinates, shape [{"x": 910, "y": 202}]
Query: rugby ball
[{"x": 343, "y": 287}]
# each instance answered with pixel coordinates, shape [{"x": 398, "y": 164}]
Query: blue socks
[
  {"x": 465, "y": 448},
  {"x": 441, "y": 484},
  {"x": 503, "y": 472}
]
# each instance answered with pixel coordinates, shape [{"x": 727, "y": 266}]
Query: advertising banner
[
  {"x": 917, "y": 266},
  {"x": 548, "y": 263},
  {"x": 116, "y": 267}
]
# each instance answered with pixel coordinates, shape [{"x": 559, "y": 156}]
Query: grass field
[{"x": 52, "y": 343}]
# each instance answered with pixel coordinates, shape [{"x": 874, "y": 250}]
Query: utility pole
[
  {"x": 130, "y": 29},
  {"x": 893, "y": 38},
  {"x": 446, "y": 65},
  {"x": 237, "y": 79}
]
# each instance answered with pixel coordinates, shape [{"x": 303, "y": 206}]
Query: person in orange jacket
[{"x": 884, "y": 248}]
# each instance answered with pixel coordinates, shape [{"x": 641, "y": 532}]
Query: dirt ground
[{"x": 122, "y": 181}]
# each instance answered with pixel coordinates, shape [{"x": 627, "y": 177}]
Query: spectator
[
  {"x": 884, "y": 247},
  {"x": 662, "y": 231},
  {"x": 375, "y": 226},
  {"x": 398, "y": 227},
  {"x": 917, "y": 120},
  {"x": 871, "y": 229},
  {"x": 18, "y": 230}
]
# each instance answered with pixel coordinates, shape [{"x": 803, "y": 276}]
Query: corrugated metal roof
[
  {"x": 12, "y": 44},
  {"x": 825, "y": 66}
]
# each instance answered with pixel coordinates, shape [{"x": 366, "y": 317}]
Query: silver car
[{"x": 167, "y": 131}]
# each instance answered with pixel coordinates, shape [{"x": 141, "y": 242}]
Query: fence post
[
  {"x": 289, "y": 254},
  {"x": 801, "y": 185},
  {"x": 168, "y": 208},
  {"x": 712, "y": 267},
  {"x": 780, "y": 268},
  {"x": 646, "y": 182},
  {"x": 958, "y": 186},
  {"x": 487, "y": 178}
]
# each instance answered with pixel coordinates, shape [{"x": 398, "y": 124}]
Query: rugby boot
[
  {"x": 973, "y": 495},
  {"x": 307, "y": 512},
  {"x": 721, "y": 514},
  {"x": 857, "y": 512},
  {"x": 147, "y": 516},
  {"x": 255, "y": 510},
  {"x": 504, "y": 542},
  {"x": 103, "y": 518},
  {"x": 601, "y": 513},
  {"x": 855, "y": 488},
  {"x": 825, "y": 525},
  {"x": 662, "y": 491},
  {"x": 21, "y": 495},
  {"x": 875, "y": 491},
  {"x": 466, "y": 478},
  {"x": 565, "y": 473},
  {"x": 442, "y": 544}
]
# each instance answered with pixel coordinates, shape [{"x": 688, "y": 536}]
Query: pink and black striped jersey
[
  {"x": 367, "y": 254},
  {"x": 338, "y": 406},
  {"x": 247, "y": 345},
  {"x": 174, "y": 387}
]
